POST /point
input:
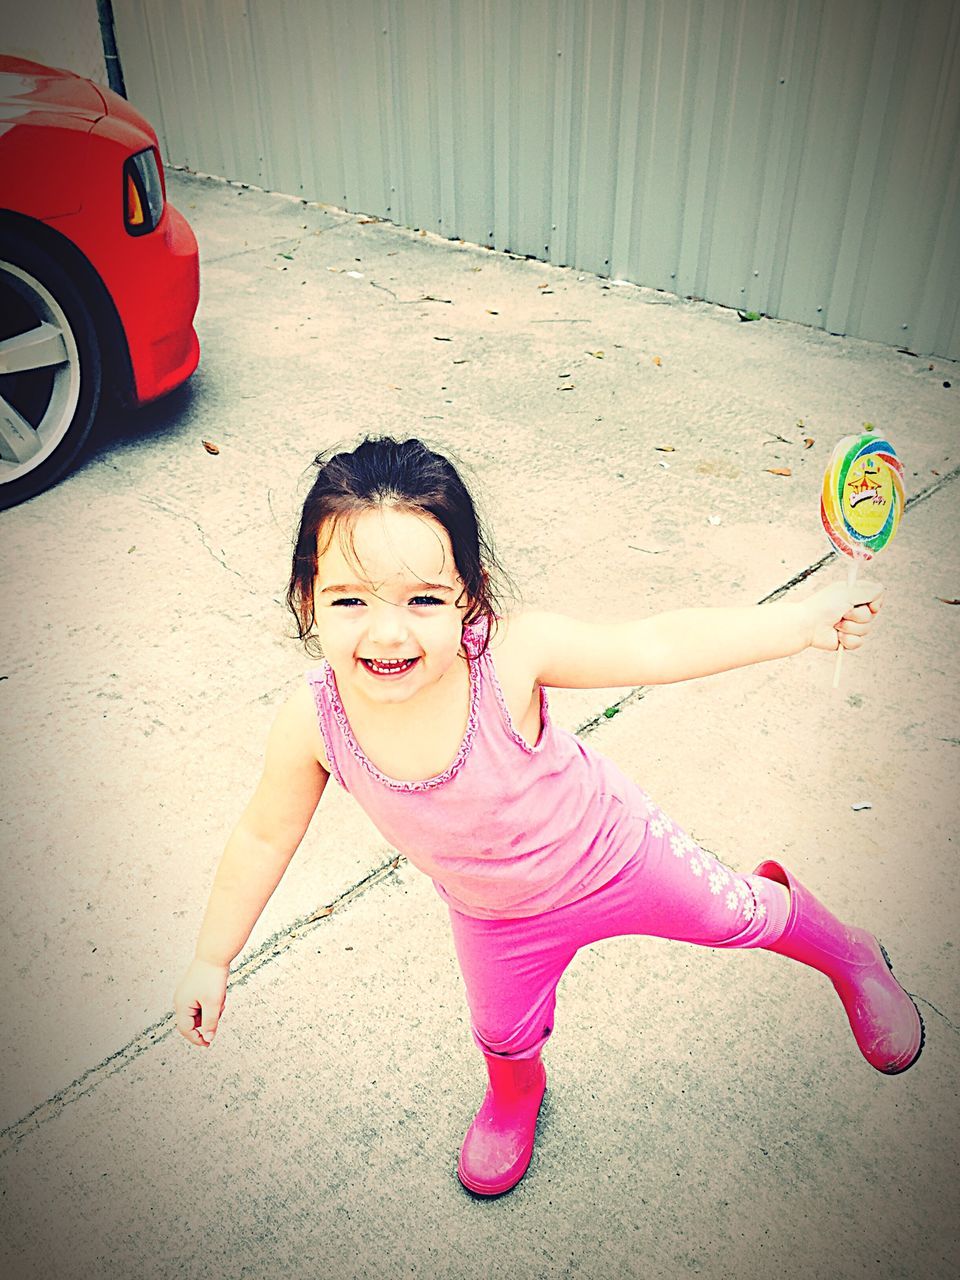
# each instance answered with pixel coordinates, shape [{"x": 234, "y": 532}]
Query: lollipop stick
[{"x": 851, "y": 579}]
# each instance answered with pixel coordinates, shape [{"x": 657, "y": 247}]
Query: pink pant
[{"x": 670, "y": 889}]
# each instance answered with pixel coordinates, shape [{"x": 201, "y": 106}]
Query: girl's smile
[
  {"x": 389, "y": 603},
  {"x": 388, "y": 667}
]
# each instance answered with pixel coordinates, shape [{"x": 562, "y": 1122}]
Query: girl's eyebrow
[{"x": 416, "y": 588}]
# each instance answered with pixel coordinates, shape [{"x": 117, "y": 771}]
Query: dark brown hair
[{"x": 405, "y": 474}]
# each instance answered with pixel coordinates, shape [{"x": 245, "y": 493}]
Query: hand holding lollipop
[{"x": 861, "y": 503}]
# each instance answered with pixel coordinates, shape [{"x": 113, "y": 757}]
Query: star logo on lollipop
[{"x": 868, "y": 488}]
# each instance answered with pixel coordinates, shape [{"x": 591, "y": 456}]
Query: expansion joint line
[{"x": 13, "y": 1135}]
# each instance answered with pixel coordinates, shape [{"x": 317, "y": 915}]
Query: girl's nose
[{"x": 387, "y": 625}]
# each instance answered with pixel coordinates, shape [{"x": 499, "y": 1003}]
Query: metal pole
[{"x": 110, "y": 55}]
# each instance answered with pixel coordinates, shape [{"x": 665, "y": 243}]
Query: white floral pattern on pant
[{"x": 740, "y": 898}]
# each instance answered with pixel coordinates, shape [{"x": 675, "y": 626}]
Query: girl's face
[{"x": 389, "y": 603}]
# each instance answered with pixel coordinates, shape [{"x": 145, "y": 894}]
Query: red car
[{"x": 99, "y": 276}]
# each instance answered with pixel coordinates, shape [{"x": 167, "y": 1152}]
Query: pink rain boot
[
  {"x": 499, "y": 1143},
  {"x": 886, "y": 1023}
]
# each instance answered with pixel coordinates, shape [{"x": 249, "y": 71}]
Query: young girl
[{"x": 432, "y": 711}]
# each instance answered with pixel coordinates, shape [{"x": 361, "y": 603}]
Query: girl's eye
[
  {"x": 425, "y": 600},
  {"x": 348, "y": 602}
]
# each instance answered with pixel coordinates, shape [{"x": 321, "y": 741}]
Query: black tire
[{"x": 47, "y": 411}]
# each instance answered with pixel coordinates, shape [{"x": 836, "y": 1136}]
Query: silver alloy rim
[{"x": 48, "y": 344}]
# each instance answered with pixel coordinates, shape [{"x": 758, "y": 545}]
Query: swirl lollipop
[{"x": 861, "y": 502}]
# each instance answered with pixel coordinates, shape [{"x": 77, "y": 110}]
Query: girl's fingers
[
  {"x": 210, "y": 1020},
  {"x": 192, "y": 1034},
  {"x": 187, "y": 1018},
  {"x": 868, "y": 595},
  {"x": 197, "y": 1024},
  {"x": 852, "y": 634},
  {"x": 859, "y": 613}
]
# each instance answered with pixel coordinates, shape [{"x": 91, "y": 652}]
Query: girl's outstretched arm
[
  {"x": 685, "y": 643},
  {"x": 254, "y": 860}
]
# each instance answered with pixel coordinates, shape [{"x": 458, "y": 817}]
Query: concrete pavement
[{"x": 707, "y": 1112}]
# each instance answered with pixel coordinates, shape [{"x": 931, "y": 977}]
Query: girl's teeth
[{"x": 388, "y": 666}]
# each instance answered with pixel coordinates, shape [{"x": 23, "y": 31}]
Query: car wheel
[{"x": 50, "y": 370}]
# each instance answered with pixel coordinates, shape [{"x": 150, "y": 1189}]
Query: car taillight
[{"x": 142, "y": 193}]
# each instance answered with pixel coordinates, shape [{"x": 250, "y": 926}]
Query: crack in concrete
[
  {"x": 282, "y": 244},
  {"x": 631, "y": 696},
  {"x": 929, "y": 490},
  {"x": 283, "y": 939},
  {"x": 939, "y": 1012},
  {"x": 277, "y": 246},
  {"x": 181, "y": 515}
]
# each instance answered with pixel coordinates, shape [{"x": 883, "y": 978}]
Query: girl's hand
[
  {"x": 198, "y": 1001},
  {"x": 841, "y": 615}
]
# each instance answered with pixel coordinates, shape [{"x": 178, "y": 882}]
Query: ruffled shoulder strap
[
  {"x": 475, "y": 636},
  {"x": 327, "y": 703}
]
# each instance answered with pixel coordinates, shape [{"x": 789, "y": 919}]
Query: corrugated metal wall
[
  {"x": 61, "y": 33},
  {"x": 794, "y": 157}
]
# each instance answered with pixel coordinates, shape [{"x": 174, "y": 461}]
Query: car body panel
[
  {"x": 37, "y": 88},
  {"x": 63, "y": 144}
]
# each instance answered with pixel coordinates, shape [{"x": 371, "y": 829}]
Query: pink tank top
[{"x": 508, "y": 830}]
